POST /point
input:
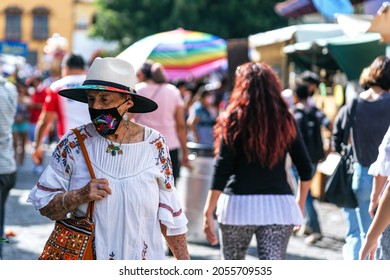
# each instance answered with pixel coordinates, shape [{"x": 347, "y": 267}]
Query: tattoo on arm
[
  {"x": 54, "y": 209},
  {"x": 177, "y": 244}
]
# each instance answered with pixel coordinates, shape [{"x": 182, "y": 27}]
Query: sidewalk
[{"x": 32, "y": 229}]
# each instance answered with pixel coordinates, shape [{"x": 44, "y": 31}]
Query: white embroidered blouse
[{"x": 143, "y": 192}]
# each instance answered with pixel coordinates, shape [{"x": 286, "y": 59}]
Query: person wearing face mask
[
  {"x": 202, "y": 118},
  {"x": 136, "y": 202}
]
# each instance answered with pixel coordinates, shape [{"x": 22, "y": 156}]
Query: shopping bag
[
  {"x": 338, "y": 188},
  {"x": 73, "y": 238}
]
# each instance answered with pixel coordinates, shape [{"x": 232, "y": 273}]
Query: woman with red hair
[{"x": 250, "y": 191}]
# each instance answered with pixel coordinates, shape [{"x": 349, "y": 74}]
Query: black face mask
[{"x": 106, "y": 121}]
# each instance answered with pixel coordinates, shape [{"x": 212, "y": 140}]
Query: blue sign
[
  {"x": 14, "y": 47},
  {"x": 330, "y": 8}
]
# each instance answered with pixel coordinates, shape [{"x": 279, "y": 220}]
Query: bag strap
[
  {"x": 155, "y": 92},
  {"x": 91, "y": 204},
  {"x": 350, "y": 120}
]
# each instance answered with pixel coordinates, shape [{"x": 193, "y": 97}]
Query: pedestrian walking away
[
  {"x": 371, "y": 121},
  {"x": 310, "y": 121},
  {"x": 250, "y": 192},
  {"x": 380, "y": 169},
  {"x": 169, "y": 118}
]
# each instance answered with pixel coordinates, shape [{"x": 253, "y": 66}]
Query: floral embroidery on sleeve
[
  {"x": 67, "y": 147},
  {"x": 163, "y": 159}
]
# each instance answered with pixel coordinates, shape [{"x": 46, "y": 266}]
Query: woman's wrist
[
  {"x": 34, "y": 144},
  {"x": 209, "y": 212},
  {"x": 64, "y": 202},
  {"x": 71, "y": 200}
]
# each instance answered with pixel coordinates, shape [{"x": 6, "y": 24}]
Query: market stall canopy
[
  {"x": 349, "y": 54},
  {"x": 185, "y": 54},
  {"x": 379, "y": 23},
  {"x": 268, "y": 46},
  {"x": 296, "y": 33}
]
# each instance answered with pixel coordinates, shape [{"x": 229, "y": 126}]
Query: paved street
[{"x": 32, "y": 229}]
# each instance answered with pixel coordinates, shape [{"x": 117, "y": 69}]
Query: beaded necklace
[{"x": 116, "y": 149}]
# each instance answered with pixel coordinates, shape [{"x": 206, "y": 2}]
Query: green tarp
[
  {"x": 353, "y": 55},
  {"x": 350, "y": 55}
]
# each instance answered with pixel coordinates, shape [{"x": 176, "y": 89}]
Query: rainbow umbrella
[{"x": 184, "y": 53}]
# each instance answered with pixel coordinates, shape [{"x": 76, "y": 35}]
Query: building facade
[
  {"x": 25, "y": 26},
  {"x": 32, "y": 28}
]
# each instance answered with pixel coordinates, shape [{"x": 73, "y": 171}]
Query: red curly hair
[{"x": 257, "y": 116}]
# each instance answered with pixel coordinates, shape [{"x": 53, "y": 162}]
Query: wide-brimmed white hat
[{"x": 115, "y": 75}]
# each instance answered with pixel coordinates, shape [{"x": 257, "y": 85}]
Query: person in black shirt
[
  {"x": 370, "y": 123},
  {"x": 250, "y": 191},
  {"x": 310, "y": 121}
]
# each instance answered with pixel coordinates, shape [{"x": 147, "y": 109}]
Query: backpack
[{"x": 310, "y": 126}]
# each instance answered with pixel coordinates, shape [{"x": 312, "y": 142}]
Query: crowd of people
[{"x": 267, "y": 143}]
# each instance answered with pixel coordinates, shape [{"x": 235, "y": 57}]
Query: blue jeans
[
  {"x": 358, "y": 219},
  {"x": 310, "y": 212}
]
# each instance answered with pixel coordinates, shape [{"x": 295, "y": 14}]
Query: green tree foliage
[{"x": 129, "y": 20}]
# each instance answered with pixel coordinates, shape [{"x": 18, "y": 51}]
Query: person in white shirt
[
  {"x": 8, "y": 103},
  {"x": 57, "y": 109},
  {"x": 136, "y": 202}
]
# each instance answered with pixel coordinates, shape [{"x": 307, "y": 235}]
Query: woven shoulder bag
[{"x": 73, "y": 238}]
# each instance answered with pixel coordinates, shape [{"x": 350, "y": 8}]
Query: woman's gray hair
[{"x": 159, "y": 75}]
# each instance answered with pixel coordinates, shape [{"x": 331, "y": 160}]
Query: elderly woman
[{"x": 135, "y": 199}]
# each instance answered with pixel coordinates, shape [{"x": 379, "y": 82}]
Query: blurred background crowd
[{"x": 198, "y": 46}]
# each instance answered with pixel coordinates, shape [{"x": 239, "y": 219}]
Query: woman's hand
[
  {"x": 96, "y": 189},
  {"x": 184, "y": 160},
  {"x": 296, "y": 228},
  {"x": 372, "y": 208},
  {"x": 208, "y": 229},
  {"x": 368, "y": 249},
  {"x": 37, "y": 154},
  {"x": 208, "y": 218},
  {"x": 66, "y": 202}
]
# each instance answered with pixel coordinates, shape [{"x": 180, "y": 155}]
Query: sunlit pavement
[{"x": 32, "y": 229}]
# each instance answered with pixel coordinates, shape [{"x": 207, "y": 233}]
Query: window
[
  {"x": 13, "y": 29},
  {"x": 40, "y": 23}
]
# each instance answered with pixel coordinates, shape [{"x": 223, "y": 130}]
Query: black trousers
[
  {"x": 174, "y": 154},
  {"x": 7, "y": 182}
]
